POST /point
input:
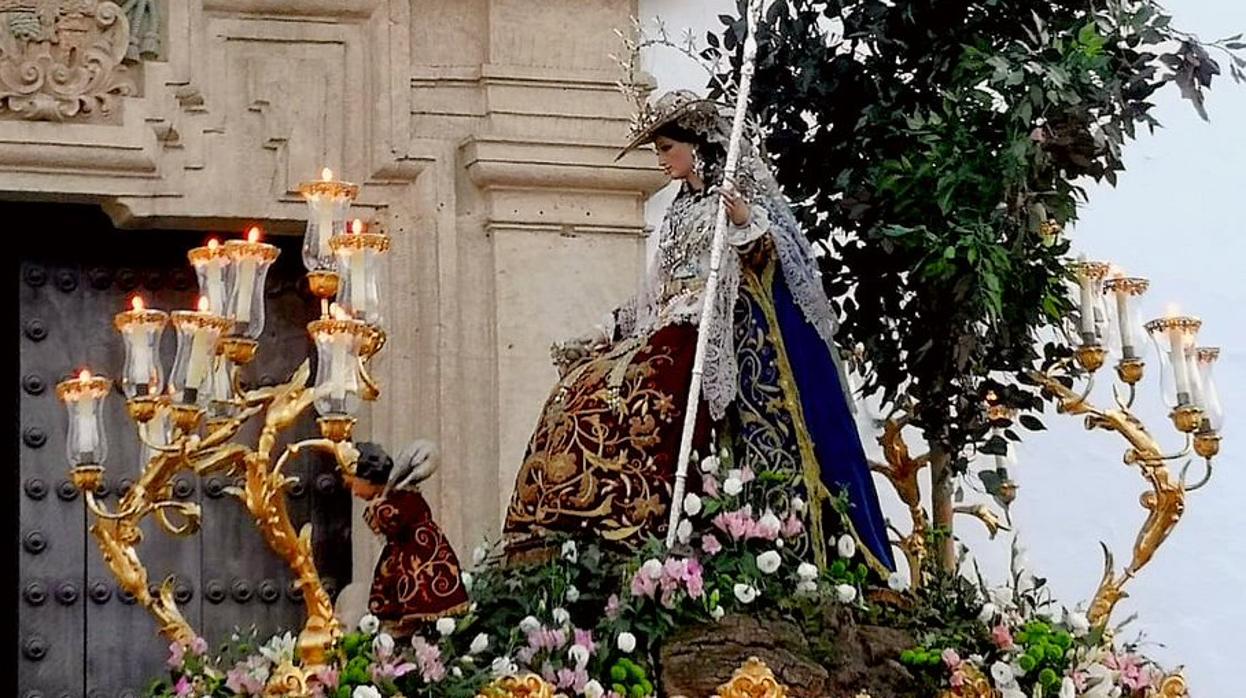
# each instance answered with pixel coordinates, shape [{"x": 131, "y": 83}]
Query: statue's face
[{"x": 674, "y": 157}]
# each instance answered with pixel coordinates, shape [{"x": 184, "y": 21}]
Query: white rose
[
  {"x": 467, "y": 580},
  {"x": 573, "y": 594},
  {"x": 770, "y": 524},
  {"x": 847, "y": 546},
  {"x": 383, "y": 644},
  {"x": 579, "y": 655},
  {"x": 569, "y": 552},
  {"x": 561, "y": 617},
  {"x": 684, "y": 531},
  {"x": 529, "y": 623},
  {"x": 807, "y": 586},
  {"x": 807, "y": 571},
  {"x": 798, "y": 505},
  {"x": 365, "y": 692},
  {"x": 479, "y": 553},
  {"x": 898, "y": 582},
  {"x": 458, "y": 673},
  {"x": 369, "y": 624},
  {"x": 1068, "y": 689},
  {"x": 717, "y": 613},
  {"x": 1002, "y": 673},
  {"x": 593, "y": 689},
  {"x": 479, "y": 644},
  {"x": 710, "y": 464},
  {"x": 1078, "y": 623},
  {"x": 626, "y": 642},
  {"x": 988, "y": 613},
  {"x": 692, "y": 504},
  {"x": 446, "y": 626},
  {"x": 732, "y": 486},
  {"x": 846, "y": 593},
  {"x": 503, "y": 666},
  {"x": 769, "y": 561},
  {"x": 652, "y": 569},
  {"x": 745, "y": 592}
]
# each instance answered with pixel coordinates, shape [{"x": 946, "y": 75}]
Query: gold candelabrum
[
  {"x": 1108, "y": 323},
  {"x": 192, "y": 421}
]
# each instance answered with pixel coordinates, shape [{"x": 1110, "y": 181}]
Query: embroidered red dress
[{"x": 418, "y": 576}]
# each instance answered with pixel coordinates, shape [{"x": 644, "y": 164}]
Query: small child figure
[{"x": 417, "y": 578}]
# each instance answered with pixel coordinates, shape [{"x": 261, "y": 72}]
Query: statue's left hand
[{"x": 737, "y": 208}]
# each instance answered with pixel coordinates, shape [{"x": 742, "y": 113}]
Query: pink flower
[
  {"x": 547, "y": 639},
  {"x": 199, "y": 646},
  {"x": 239, "y": 680},
  {"x": 951, "y": 659},
  {"x": 693, "y": 580},
  {"x": 793, "y": 526},
  {"x": 428, "y": 661},
  {"x": 668, "y": 598},
  {"x": 183, "y": 688},
  {"x": 177, "y": 655},
  {"x": 327, "y": 677},
  {"x": 1002, "y": 637},
  {"x": 525, "y": 654},
  {"x": 1134, "y": 675},
  {"x": 710, "y": 544},
  {"x": 709, "y": 485},
  {"x": 746, "y": 475},
  {"x": 643, "y": 585},
  {"x": 572, "y": 678},
  {"x": 584, "y": 638},
  {"x": 739, "y": 524},
  {"x": 612, "y": 607},
  {"x": 958, "y": 679},
  {"x": 672, "y": 573}
]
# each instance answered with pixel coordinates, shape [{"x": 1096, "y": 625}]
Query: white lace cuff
[{"x": 758, "y": 224}]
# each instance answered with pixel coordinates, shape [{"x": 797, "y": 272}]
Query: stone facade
[{"x": 483, "y": 133}]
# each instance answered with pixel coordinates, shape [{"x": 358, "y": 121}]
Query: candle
[
  {"x": 1124, "y": 322},
  {"x": 323, "y": 206},
  {"x": 142, "y": 366},
  {"x": 245, "y": 280},
  {"x": 215, "y": 278},
  {"x": 356, "y": 257},
  {"x": 341, "y": 341},
  {"x": 203, "y": 346},
  {"x": 1176, "y": 357},
  {"x": 87, "y": 440},
  {"x": 1087, "y": 301}
]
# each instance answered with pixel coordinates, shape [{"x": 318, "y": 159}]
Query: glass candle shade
[
  {"x": 211, "y": 265},
  {"x": 1174, "y": 336},
  {"x": 1209, "y": 397},
  {"x": 156, "y": 430},
  {"x": 338, "y": 341},
  {"x": 84, "y": 399},
  {"x": 250, "y": 260},
  {"x": 1090, "y": 277},
  {"x": 328, "y": 202},
  {"x": 360, "y": 264},
  {"x": 1122, "y": 295},
  {"x": 219, "y": 388},
  {"x": 141, "y": 330},
  {"x": 198, "y": 333}
]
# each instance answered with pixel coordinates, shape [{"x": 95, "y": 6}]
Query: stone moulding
[{"x": 61, "y": 60}]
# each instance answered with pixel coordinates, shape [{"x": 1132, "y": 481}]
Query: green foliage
[{"x": 943, "y": 139}]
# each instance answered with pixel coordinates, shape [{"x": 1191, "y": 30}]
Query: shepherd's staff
[{"x": 716, "y": 253}]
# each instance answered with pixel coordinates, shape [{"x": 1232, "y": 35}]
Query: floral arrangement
[{"x": 591, "y": 620}]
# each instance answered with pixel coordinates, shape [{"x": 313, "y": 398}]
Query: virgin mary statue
[{"x": 773, "y": 405}]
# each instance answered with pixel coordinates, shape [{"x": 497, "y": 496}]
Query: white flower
[
  {"x": 561, "y": 617},
  {"x": 745, "y": 592},
  {"x": 684, "y": 531},
  {"x": 1002, "y": 673},
  {"x": 652, "y": 569},
  {"x": 479, "y": 553},
  {"x": 778, "y": 543},
  {"x": 1012, "y": 693},
  {"x": 846, "y": 593},
  {"x": 503, "y": 666},
  {"x": 717, "y": 613},
  {"x": 1078, "y": 623},
  {"x": 1068, "y": 689},
  {"x": 626, "y": 642},
  {"x": 847, "y": 546},
  {"x": 807, "y": 571},
  {"x": 280, "y": 648},
  {"x": 898, "y": 582},
  {"x": 467, "y": 580},
  {"x": 383, "y": 645},
  {"x": 692, "y": 504},
  {"x": 528, "y": 624},
  {"x": 988, "y": 613},
  {"x": 369, "y": 624},
  {"x": 798, "y": 505},
  {"x": 458, "y": 673},
  {"x": 573, "y": 594},
  {"x": 479, "y": 644},
  {"x": 593, "y": 689},
  {"x": 579, "y": 655},
  {"x": 569, "y": 552},
  {"x": 732, "y": 486},
  {"x": 769, "y": 561},
  {"x": 806, "y": 586},
  {"x": 710, "y": 464},
  {"x": 446, "y": 626},
  {"x": 365, "y": 692},
  {"x": 770, "y": 525}
]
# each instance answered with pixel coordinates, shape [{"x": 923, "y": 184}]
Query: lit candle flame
[
  {"x": 356, "y": 226},
  {"x": 253, "y": 235},
  {"x": 213, "y": 243},
  {"x": 84, "y": 375},
  {"x": 326, "y": 174},
  {"x": 136, "y": 303},
  {"x": 203, "y": 304}
]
